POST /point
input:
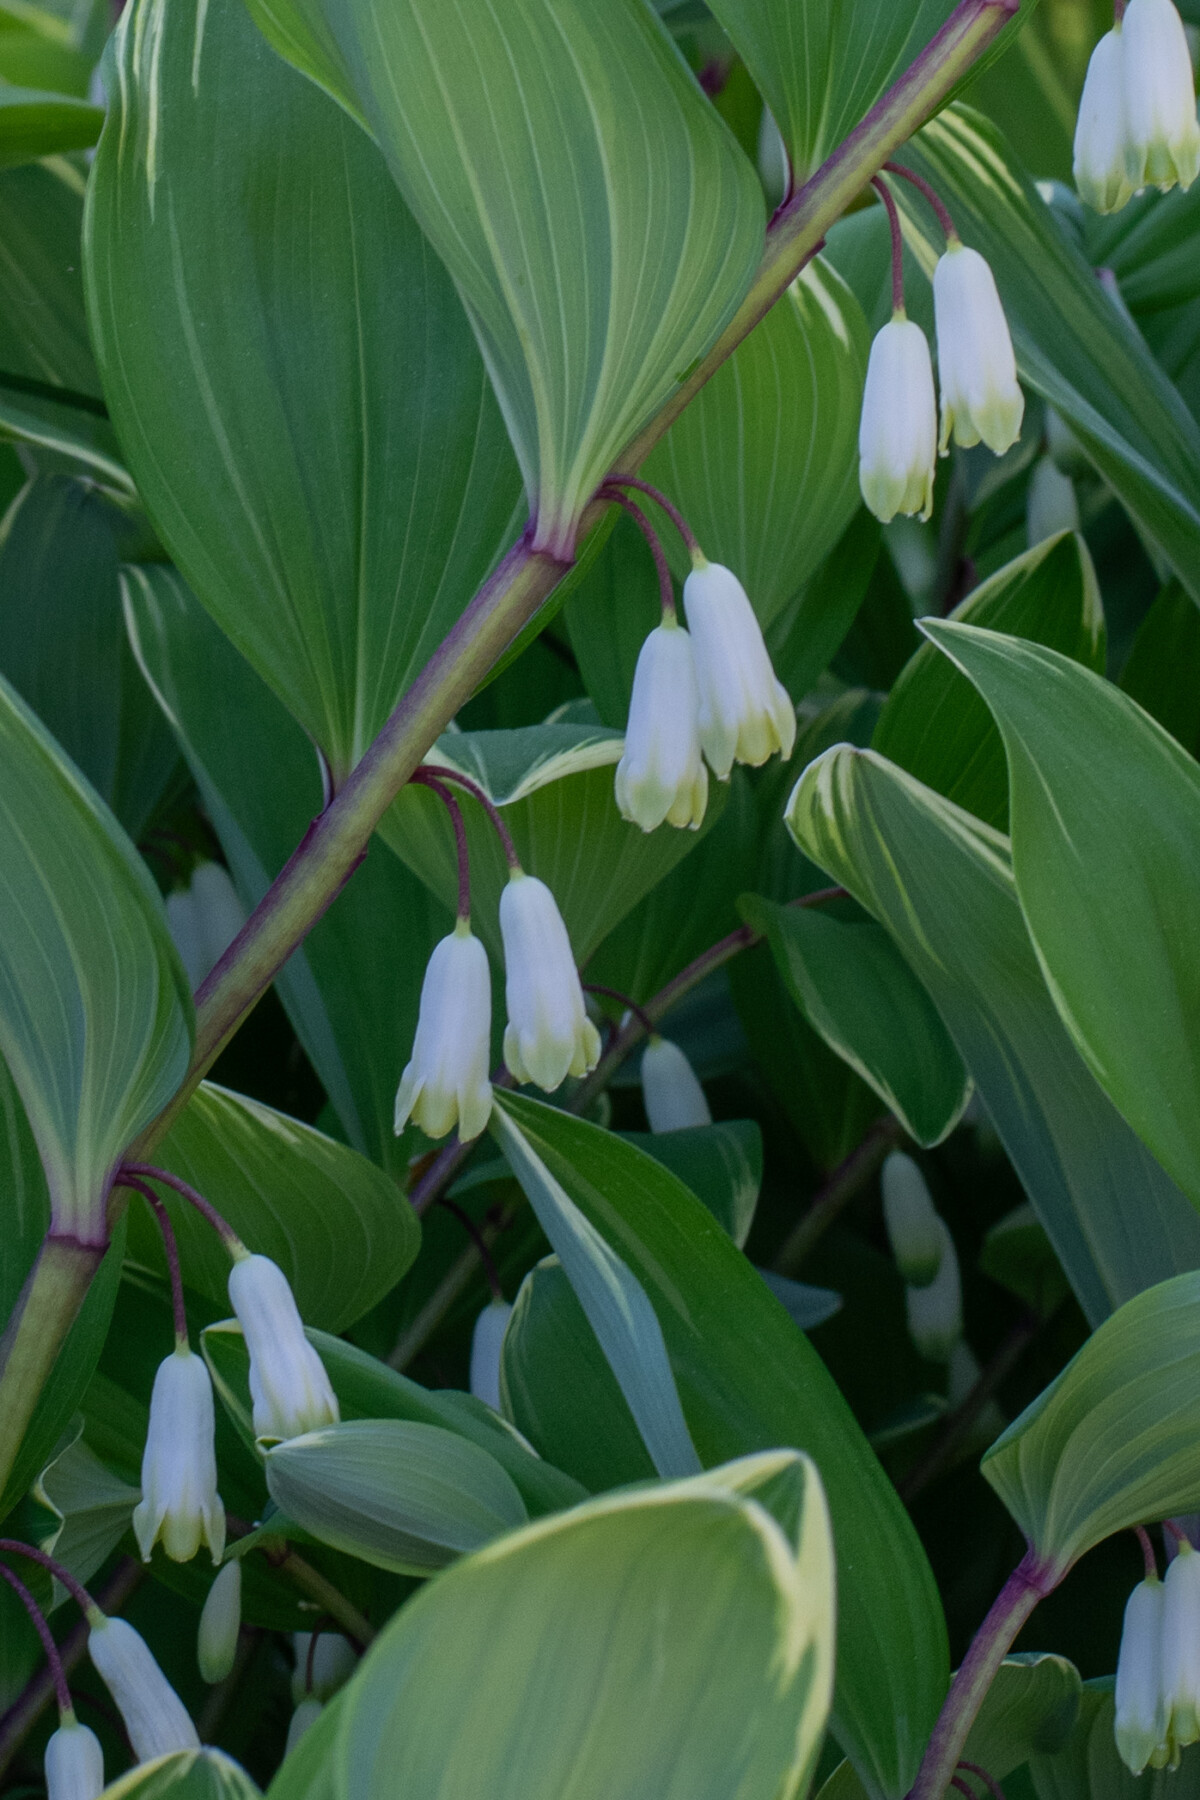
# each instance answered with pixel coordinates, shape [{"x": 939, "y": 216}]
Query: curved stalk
[{"x": 49, "y": 1304}]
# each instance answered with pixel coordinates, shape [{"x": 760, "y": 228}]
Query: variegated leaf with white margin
[
  {"x": 92, "y": 1506},
  {"x": 598, "y": 218}
]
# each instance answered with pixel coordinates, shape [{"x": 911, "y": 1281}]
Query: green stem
[
  {"x": 847, "y": 1180},
  {"x": 47, "y": 1308},
  {"x": 330, "y": 1599}
]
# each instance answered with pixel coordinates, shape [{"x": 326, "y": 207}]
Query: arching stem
[
  {"x": 884, "y": 192},
  {"x": 54, "y": 1660}
]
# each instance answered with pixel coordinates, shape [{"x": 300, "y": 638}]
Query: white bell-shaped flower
[
  {"x": 74, "y": 1763},
  {"x": 935, "y": 1319},
  {"x": 302, "y": 1720},
  {"x": 1051, "y": 505},
  {"x": 220, "y": 1623},
  {"x": 1181, "y": 1648},
  {"x": 981, "y": 396},
  {"x": 288, "y": 1384},
  {"x": 745, "y": 711},
  {"x": 898, "y": 432},
  {"x": 155, "y": 1717},
  {"x": 1141, "y": 1712},
  {"x": 487, "y": 1345},
  {"x": 180, "y": 1503},
  {"x": 1101, "y": 129},
  {"x": 913, "y": 1226},
  {"x": 661, "y": 774},
  {"x": 446, "y": 1082},
  {"x": 321, "y": 1668},
  {"x": 672, "y": 1094},
  {"x": 549, "y": 1035},
  {"x": 1160, "y": 97}
]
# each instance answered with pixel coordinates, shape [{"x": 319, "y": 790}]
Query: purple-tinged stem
[
  {"x": 1029, "y": 1582},
  {"x": 691, "y": 542},
  {"x": 170, "y": 1250},
  {"x": 53, "y": 1659},
  {"x": 1118, "y": 11},
  {"x": 206, "y": 1209},
  {"x": 666, "y": 587},
  {"x": 989, "y": 1781},
  {"x": 426, "y": 778},
  {"x": 846, "y": 1181},
  {"x": 480, "y": 1242},
  {"x": 931, "y": 194},
  {"x": 485, "y": 800},
  {"x": 889, "y": 206},
  {"x": 76, "y": 1589},
  {"x": 1148, "y": 1557},
  {"x": 956, "y": 1781},
  {"x": 631, "y": 1006}
]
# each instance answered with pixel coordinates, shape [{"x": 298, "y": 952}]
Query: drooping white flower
[
  {"x": 320, "y": 1669},
  {"x": 204, "y": 919},
  {"x": 1160, "y": 97},
  {"x": 1101, "y": 129},
  {"x": 180, "y": 1503},
  {"x": 155, "y": 1717},
  {"x": 898, "y": 432},
  {"x": 981, "y": 397},
  {"x": 487, "y": 1345},
  {"x": 288, "y": 1384},
  {"x": 913, "y": 1226},
  {"x": 220, "y": 1623},
  {"x": 446, "y": 1081},
  {"x": 302, "y": 1720},
  {"x": 1140, "y": 1726},
  {"x": 1181, "y": 1648},
  {"x": 745, "y": 711},
  {"x": 672, "y": 1094},
  {"x": 935, "y": 1311},
  {"x": 661, "y": 774},
  {"x": 549, "y": 1035},
  {"x": 74, "y": 1763},
  {"x": 1050, "y": 504}
]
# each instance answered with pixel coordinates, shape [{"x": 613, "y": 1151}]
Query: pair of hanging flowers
[
  {"x": 1137, "y": 119},
  {"x": 1158, "y": 1665}
]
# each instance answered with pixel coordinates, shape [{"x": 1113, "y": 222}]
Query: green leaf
[
  {"x": 95, "y": 1014},
  {"x": 764, "y": 462},
  {"x": 1090, "y": 1768},
  {"x": 1072, "y": 345},
  {"x": 1150, "y": 246},
  {"x": 942, "y": 884},
  {"x": 935, "y": 725},
  {"x": 1111, "y": 1441},
  {"x": 340, "y": 1229},
  {"x": 1017, "y": 1253},
  {"x": 1162, "y": 670},
  {"x": 1106, "y": 854},
  {"x": 596, "y": 215},
  {"x": 722, "y": 1165},
  {"x": 400, "y": 1495},
  {"x": 1031, "y": 1708},
  {"x": 186, "y": 1775},
  {"x": 596, "y": 1671},
  {"x": 289, "y": 369},
  {"x": 617, "y": 1308},
  {"x": 34, "y": 124},
  {"x": 93, "y": 1508},
  {"x": 749, "y": 1380},
  {"x": 855, "y": 988}
]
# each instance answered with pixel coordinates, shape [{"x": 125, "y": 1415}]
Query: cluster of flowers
[
  {"x": 1137, "y": 119},
  {"x": 1158, "y": 1667}
]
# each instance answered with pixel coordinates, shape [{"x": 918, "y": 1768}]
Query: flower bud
[
  {"x": 1050, "y": 504},
  {"x": 1181, "y": 1647},
  {"x": 220, "y": 1623},
  {"x": 549, "y": 1035},
  {"x": 1101, "y": 130},
  {"x": 935, "y": 1311},
  {"x": 898, "y": 432},
  {"x": 1141, "y": 1717},
  {"x": 981, "y": 397},
  {"x": 204, "y": 919},
  {"x": 302, "y": 1720},
  {"x": 1160, "y": 97},
  {"x": 745, "y": 712},
  {"x": 913, "y": 1226},
  {"x": 155, "y": 1717},
  {"x": 487, "y": 1344},
  {"x": 321, "y": 1668},
  {"x": 446, "y": 1082},
  {"x": 288, "y": 1384},
  {"x": 180, "y": 1503},
  {"x": 74, "y": 1763},
  {"x": 673, "y": 1096},
  {"x": 661, "y": 774}
]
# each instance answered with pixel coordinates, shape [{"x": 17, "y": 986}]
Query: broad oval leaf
[
  {"x": 291, "y": 374},
  {"x": 1106, "y": 854},
  {"x": 33, "y": 125},
  {"x": 1030, "y": 1709},
  {"x": 400, "y": 1495},
  {"x": 1112, "y": 1441},
  {"x": 205, "y": 1774},
  {"x": 596, "y": 1671},
  {"x": 595, "y": 213},
  {"x": 722, "y": 1164}
]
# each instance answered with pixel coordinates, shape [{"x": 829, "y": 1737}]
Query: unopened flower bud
[
  {"x": 446, "y": 1082},
  {"x": 1050, "y": 504},
  {"x": 288, "y": 1384},
  {"x": 155, "y": 1717},
  {"x": 913, "y": 1226},
  {"x": 1181, "y": 1647},
  {"x": 672, "y": 1094},
  {"x": 220, "y": 1623},
  {"x": 1160, "y": 97},
  {"x": 898, "y": 433},
  {"x": 935, "y": 1311},
  {"x": 549, "y": 1035},
  {"x": 661, "y": 774},
  {"x": 487, "y": 1344},
  {"x": 1141, "y": 1712},
  {"x": 745, "y": 711},
  {"x": 981, "y": 397},
  {"x": 302, "y": 1720},
  {"x": 1101, "y": 130},
  {"x": 321, "y": 1667},
  {"x": 74, "y": 1763},
  {"x": 180, "y": 1503}
]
